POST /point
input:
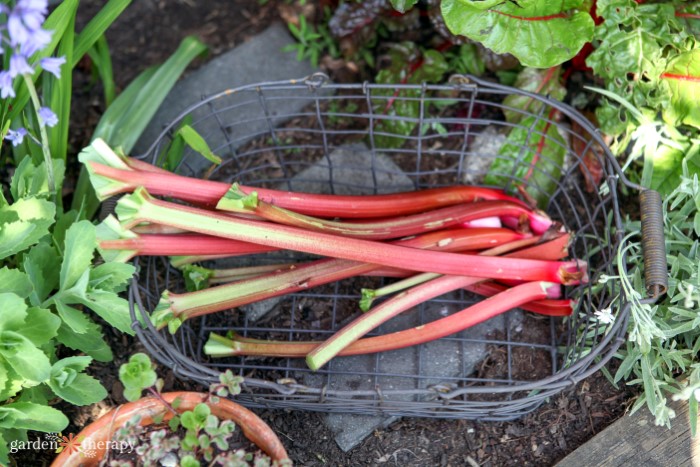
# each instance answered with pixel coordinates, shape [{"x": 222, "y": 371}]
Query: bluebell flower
[
  {"x": 6, "y": 89},
  {"x": 48, "y": 117},
  {"x": 16, "y": 137},
  {"x": 24, "y": 26},
  {"x": 19, "y": 66},
  {"x": 53, "y": 65}
]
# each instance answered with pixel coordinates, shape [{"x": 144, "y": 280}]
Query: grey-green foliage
[
  {"x": 661, "y": 353},
  {"x": 46, "y": 283}
]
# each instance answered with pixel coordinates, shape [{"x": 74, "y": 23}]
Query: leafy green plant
[
  {"x": 311, "y": 41},
  {"x": 191, "y": 437},
  {"x": 661, "y": 353}
]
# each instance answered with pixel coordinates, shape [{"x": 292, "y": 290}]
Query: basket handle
[{"x": 653, "y": 244}]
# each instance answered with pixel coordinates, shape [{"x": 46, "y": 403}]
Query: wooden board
[{"x": 635, "y": 440}]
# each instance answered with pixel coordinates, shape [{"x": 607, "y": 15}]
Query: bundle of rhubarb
[{"x": 432, "y": 242}]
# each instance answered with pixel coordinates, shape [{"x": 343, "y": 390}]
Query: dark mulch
[{"x": 146, "y": 34}]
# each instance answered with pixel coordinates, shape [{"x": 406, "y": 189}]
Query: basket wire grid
[{"x": 269, "y": 134}]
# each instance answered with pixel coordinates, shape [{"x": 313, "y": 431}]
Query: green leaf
[
  {"x": 30, "y": 416},
  {"x": 539, "y": 33},
  {"x": 110, "y": 307},
  {"x": 30, "y": 180},
  {"x": 666, "y": 169},
  {"x": 97, "y": 27},
  {"x": 69, "y": 383},
  {"x": 124, "y": 126},
  {"x": 102, "y": 60},
  {"x": 544, "y": 82},
  {"x": 90, "y": 342},
  {"x": 58, "y": 94},
  {"x": 77, "y": 255},
  {"x": 40, "y": 326},
  {"x": 138, "y": 373},
  {"x": 683, "y": 78},
  {"x": 403, "y": 5},
  {"x": 111, "y": 277},
  {"x": 24, "y": 357},
  {"x": 42, "y": 266},
  {"x": 15, "y": 281},
  {"x": 23, "y": 224},
  {"x": 72, "y": 317},
  {"x": 534, "y": 151},
  {"x": 196, "y": 142},
  {"x": 13, "y": 312}
]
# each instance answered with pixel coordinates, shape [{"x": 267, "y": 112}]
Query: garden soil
[{"x": 146, "y": 34}]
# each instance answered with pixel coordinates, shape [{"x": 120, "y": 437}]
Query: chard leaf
[
  {"x": 15, "y": 281},
  {"x": 40, "y": 326},
  {"x": 30, "y": 416},
  {"x": 545, "y": 82},
  {"x": 683, "y": 78},
  {"x": 533, "y": 152},
  {"x": 70, "y": 383},
  {"x": 540, "y": 33},
  {"x": 72, "y": 317},
  {"x": 77, "y": 256},
  {"x": 111, "y": 277},
  {"x": 403, "y": 5},
  {"x": 90, "y": 342},
  {"x": 24, "y": 357},
  {"x": 42, "y": 265},
  {"x": 23, "y": 224},
  {"x": 666, "y": 169}
]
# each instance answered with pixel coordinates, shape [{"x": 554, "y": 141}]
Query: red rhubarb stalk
[
  {"x": 218, "y": 346},
  {"x": 113, "y": 174},
  {"x": 141, "y": 207},
  {"x": 176, "y": 308},
  {"x": 562, "y": 307},
  {"x": 239, "y": 202}
]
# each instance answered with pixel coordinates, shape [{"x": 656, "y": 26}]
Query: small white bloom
[{"x": 605, "y": 316}]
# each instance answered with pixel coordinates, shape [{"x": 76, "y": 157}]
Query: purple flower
[
  {"x": 53, "y": 65},
  {"x": 37, "y": 40},
  {"x": 16, "y": 137},
  {"x": 48, "y": 117},
  {"x": 19, "y": 66},
  {"x": 6, "y": 89}
]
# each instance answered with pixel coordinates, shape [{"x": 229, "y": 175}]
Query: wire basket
[{"x": 289, "y": 134}]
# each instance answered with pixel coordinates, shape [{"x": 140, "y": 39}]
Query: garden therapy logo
[{"x": 71, "y": 444}]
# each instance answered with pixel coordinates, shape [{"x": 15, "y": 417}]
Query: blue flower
[
  {"x": 53, "y": 65},
  {"x": 48, "y": 117},
  {"x": 36, "y": 41},
  {"x": 19, "y": 66},
  {"x": 6, "y": 89},
  {"x": 16, "y": 137},
  {"x": 24, "y": 26}
]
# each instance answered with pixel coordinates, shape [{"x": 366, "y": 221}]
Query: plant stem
[
  {"x": 141, "y": 207},
  {"x": 218, "y": 346},
  {"x": 44, "y": 135},
  {"x": 394, "y": 227},
  {"x": 184, "y": 306}
]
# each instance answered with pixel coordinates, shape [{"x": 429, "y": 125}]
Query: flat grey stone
[
  {"x": 232, "y": 120},
  {"x": 482, "y": 152}
]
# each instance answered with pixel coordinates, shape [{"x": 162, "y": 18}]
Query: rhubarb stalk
[
  {"x": 218, "y": 346},
  {"x": 173, "y": 308},
  {"x": 141, "y": 207}
]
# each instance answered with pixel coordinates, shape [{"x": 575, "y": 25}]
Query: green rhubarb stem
[
  {"x": 181, "y": 261},
  {"x": 218, "y": 346},
  {"x": 179, "y": 307},
  {"x": 141, "y": 207},
  {"x": 396, "y": 227}
]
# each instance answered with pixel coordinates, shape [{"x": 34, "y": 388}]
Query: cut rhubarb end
[
  {"x": 236, "y": 200},
  {"x": 105, "y": 187},
  {"x": 574, "y": 274},
  {"x": 552, "y": 290},
  {"x": 219, "y": 346},
  {"x": 129, "y": 207},
  {"x": 163, "y": 313},
  {"x": 110, "y": 229},
  {"x": 100, "y": 152}
]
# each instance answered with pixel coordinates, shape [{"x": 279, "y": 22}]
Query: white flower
[{"x": 605, "y": 316}]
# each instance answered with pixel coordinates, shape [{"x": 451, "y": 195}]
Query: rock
[{"x": 483, "y": 150}]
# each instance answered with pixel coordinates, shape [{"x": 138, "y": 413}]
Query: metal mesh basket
[{"x": 289, "y": 134}]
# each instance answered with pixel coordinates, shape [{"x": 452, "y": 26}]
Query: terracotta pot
[{"x": 99, "y": 432}]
